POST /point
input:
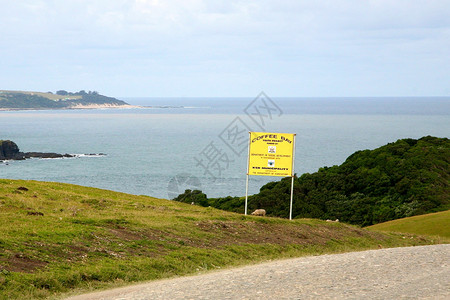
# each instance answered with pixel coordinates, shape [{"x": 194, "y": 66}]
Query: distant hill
[
  {"x": 406, "y": 178},
  {"x": 19, "y": 100},
  {"x": 430, "y": 224}
]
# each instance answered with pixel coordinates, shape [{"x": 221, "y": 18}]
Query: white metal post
[
  {"x": 246, "y": 194},
  {"x": 292, "y": 181},
  {"x": 248, "y": 162},
  {"x": 292, "y": 194}
]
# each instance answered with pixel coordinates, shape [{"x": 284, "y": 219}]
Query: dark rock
[
  {"x": 35, "y": 213},
  {"x": 9, "y": 150},
  {"x": 45, "y": 155},
  {"x": 22, "y": 188}
]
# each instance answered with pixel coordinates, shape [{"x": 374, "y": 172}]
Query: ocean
[{"x": 173, "y": 144}]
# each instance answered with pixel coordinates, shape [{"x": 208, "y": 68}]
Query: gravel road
[{"x": 399, "y": 273}]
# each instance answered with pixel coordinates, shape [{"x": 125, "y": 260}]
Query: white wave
[{"x": 87, "y": 155}]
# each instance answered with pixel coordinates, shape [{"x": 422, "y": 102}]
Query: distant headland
[{"x": 21, "y": 100}]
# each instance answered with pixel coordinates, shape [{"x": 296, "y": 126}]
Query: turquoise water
[{"x": 153, "y": 151}]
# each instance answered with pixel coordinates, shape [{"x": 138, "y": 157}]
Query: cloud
[{"x": 245, "y": 44}]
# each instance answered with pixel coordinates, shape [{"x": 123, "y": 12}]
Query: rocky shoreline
[{"x": 10, "y": 151}]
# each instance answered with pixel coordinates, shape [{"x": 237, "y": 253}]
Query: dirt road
[{"x": 399, "y": 273}]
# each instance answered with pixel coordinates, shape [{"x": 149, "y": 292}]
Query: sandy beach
[{"x": 78, "y": 106}]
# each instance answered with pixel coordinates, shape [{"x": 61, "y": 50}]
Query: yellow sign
[{"x": 271, "y": 154}]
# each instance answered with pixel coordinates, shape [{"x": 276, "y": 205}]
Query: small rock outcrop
[
  {"x": 10, "y": 151},
  {"x": 46, "y": 155}
]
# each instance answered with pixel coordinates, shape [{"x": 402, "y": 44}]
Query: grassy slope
[
  {"x": 42, "y": 94},
  {"x": 430, "y": 224},
  {"x": 57, "y": 238}
]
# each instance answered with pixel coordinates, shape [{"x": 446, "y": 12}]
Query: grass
[
  {"x": 50, "y": 96},
  {"x": 59, "y": 239},
  {"x": 437, "y": 224}
]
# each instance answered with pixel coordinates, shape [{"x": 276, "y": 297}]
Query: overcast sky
[{"x": 227, "y": 48}]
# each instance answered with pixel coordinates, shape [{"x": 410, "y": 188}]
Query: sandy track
[{"x": 398, "y": 273}]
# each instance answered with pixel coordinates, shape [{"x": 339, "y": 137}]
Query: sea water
[{"x": 177, "y": 143}]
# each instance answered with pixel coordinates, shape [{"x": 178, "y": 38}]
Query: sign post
[
  {"x": 292, "y": 181},
  {"x": 271, "y": 154},
  {"x": 246, "y": 183}
]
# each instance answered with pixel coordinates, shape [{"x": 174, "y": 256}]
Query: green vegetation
[
  {"x": 58, "y": 238},
  {"x": 406, "y": 178},
  {"x": 430, "y": 224},
  {"x": 61, "y": 100},
  {"x": 19, "y": 100}
]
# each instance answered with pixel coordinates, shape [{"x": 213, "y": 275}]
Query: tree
[
  {"x": 62, "y": 93},
  {"x": 195, "y": 196},
  {"x": 401, "y": 179}
]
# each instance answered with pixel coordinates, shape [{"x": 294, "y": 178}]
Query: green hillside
[
  {"x": 430, "y": 224},
  {"x": 59, "y": 238},
  {"x": 406, "y": 178},
  {"x": 15, "y": 100}
]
